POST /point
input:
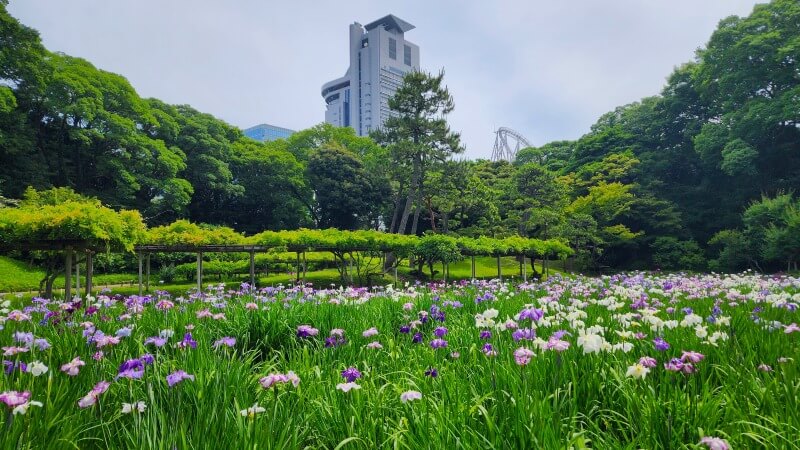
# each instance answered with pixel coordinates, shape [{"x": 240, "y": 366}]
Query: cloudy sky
[{"x": 546, "y": 68}]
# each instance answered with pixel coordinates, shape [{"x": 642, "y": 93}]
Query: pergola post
[
  {"x": 77, "y": 275},
  {"x": 89, "y": 271},
  {"x": 139, "y": 258},
  {"x": 68, "y": 275},
  {"x": 297, "y": 267},
  {"x": 252, "y": 269},
  {"x": 524, "y": 269},
  {"x": 199, "y": 273},
  {"x": 473, "y": 266},
  {"x": 147, "y": 274},
  {"x": 499, "y": 269},
  {"x": 305, "y": 267}
]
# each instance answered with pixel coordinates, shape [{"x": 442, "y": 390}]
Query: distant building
[
  {"x": 266, "y": 132},
  {"x": 379, "y": 58}
]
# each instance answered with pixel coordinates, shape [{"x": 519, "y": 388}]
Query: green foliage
[
  {"x": 183, "y": 232},
  {"x": 650, "y": 177},
  {"x": 346, "y": 196},
  {"x": 435, "y": 248},
  {"x": 670, "y": 253},
  {"x": 738, "y": 158},
  {"x": 417, "y": 137},
  {"x": 72, "y": 220}
]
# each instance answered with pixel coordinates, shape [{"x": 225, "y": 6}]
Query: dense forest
[{"x": 702, "y": 176}]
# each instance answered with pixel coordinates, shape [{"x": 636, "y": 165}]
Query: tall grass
[{"x": 558, "y": 400}]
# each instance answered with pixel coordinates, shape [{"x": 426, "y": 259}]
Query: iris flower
[
  {"x": 178, "y": 376},
  {"x": 351, "y": 374},
  {"x": 71, "y": 368},
  {"x": 347, "y": 387},
  {"x": 408, "y": 396},
  {"x": 523, "y": 356}
]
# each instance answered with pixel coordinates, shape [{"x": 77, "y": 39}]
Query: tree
[
  {"x": 346, "y": 197},
  {"x": 417, "y": 136},
  {"x": 541, "y": 198},
  {"x": 276, "y": 196}
]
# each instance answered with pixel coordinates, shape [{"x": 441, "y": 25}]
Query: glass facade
[{"x": 266, "y": 132}]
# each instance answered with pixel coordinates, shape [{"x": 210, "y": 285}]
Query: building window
[
  {"x": 407, "y": 55},
  {"x": 392, "y": 48}
]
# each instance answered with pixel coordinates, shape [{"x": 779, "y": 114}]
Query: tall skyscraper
[{"x": 379, "y": 58}]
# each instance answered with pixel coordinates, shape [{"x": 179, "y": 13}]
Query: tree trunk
[
  {"x": 398, "y": 203},
  {"x": 417, "y": 210},
  {"x": 416, "y": 176},
  {"x": 430, "y": 212}
]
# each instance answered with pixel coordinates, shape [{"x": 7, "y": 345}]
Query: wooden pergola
[{"x": 143, "y": 252}]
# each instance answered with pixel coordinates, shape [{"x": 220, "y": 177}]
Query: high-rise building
[
  {"x": 380, "y": 56},
  {"x": 266, "y": 132}
]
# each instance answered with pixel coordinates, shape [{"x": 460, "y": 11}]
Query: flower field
[{"x": 624, "y": 361}]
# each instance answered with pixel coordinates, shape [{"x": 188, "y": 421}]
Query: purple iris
[
  {"x": 405, "y": 329},
  {"x": 533, "y": 314},
  {"x": 417, "y": 338},
  {"x": 10, "y": 366},
  {"x": 351, "y": 374},
  {"x": 485, "y": 334},
  {"x": 304, "y": 331},
  {"x": 438, "y": 343},
  {"x": 524, "y": 333},
  {"x": 660, "y": 344},
  {"x": 226, "y": 341},
  {"x": 558, "y": 334},
  {"x": 440, "y": 331},
  {"x": 23, "y": 338},
  {"x": 132, "y": 368},
  {"x": 433, "y": 373},
  {"x": 158, "y": 341},
  {"x": 188, "y": 341},
  {"x": 335, "y": 341},
  {"x": 178, "y": 376}
]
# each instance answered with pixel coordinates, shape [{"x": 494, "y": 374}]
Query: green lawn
[{"x": 18, "y": 276}]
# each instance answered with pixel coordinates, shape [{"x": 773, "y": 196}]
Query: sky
[{"x": 545, "y": 68}]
